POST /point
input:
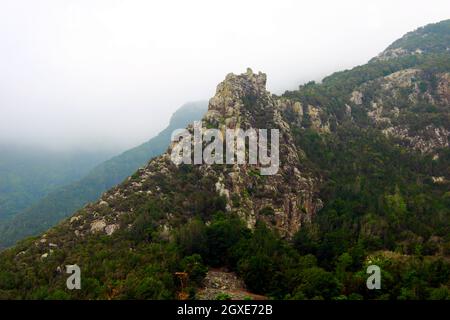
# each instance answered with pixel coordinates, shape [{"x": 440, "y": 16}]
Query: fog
[{"x": 105, "y": 74}]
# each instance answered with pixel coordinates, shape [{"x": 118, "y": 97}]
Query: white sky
[{"x": 109, "y": 73}]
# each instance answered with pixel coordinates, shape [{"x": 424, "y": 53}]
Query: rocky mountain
[
  {"x": 68, "y": 198},
  {"x": 242, "y": 101},
  {"x": 363, "y": 179}
]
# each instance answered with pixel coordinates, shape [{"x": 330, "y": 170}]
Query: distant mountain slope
[
  {"x": 432, "y": 38},
  {"x": 404, "y": 93},
  {"x": 64, "y": 201},
  {"x": 27, "y": 174}
]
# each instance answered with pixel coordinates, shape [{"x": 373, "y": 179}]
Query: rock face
[
  {"x": 217, "y": 279},
  {"x": 284, "y": 200},
  {"x": 98, "y": 226},
  {"x": 405, "y": 104},
  {"x": 393, "y": 53},
  {"x": 443, "y": 88}
]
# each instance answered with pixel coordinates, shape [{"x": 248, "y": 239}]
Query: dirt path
[{"x": 220, "y": 282}]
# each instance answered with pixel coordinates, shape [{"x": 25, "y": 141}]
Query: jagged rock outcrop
[{"x": 284, "y": 200}]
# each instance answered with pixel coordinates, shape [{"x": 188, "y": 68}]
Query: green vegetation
[
  {"x": 431, "y": 38},
  {"x": 313, "y": 266},
  {"x": 223, "y": 296}
]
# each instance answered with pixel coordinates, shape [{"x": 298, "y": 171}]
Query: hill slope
[
  {"x": 67, "y": 199},
  {"x": 27, "y": 174}
]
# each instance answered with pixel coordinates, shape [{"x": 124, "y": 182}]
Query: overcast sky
[{"x": 106, "y": 73}]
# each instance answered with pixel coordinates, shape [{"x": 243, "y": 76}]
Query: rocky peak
[
  {"x": 236, "y": 98},
  {"x": 242, "y": 85},
  {"x": 284, "y": 200}
]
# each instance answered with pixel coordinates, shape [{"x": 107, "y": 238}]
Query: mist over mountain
[
  {"x": 101, "y": 74},
  {"x": 31, "y": 217}
]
